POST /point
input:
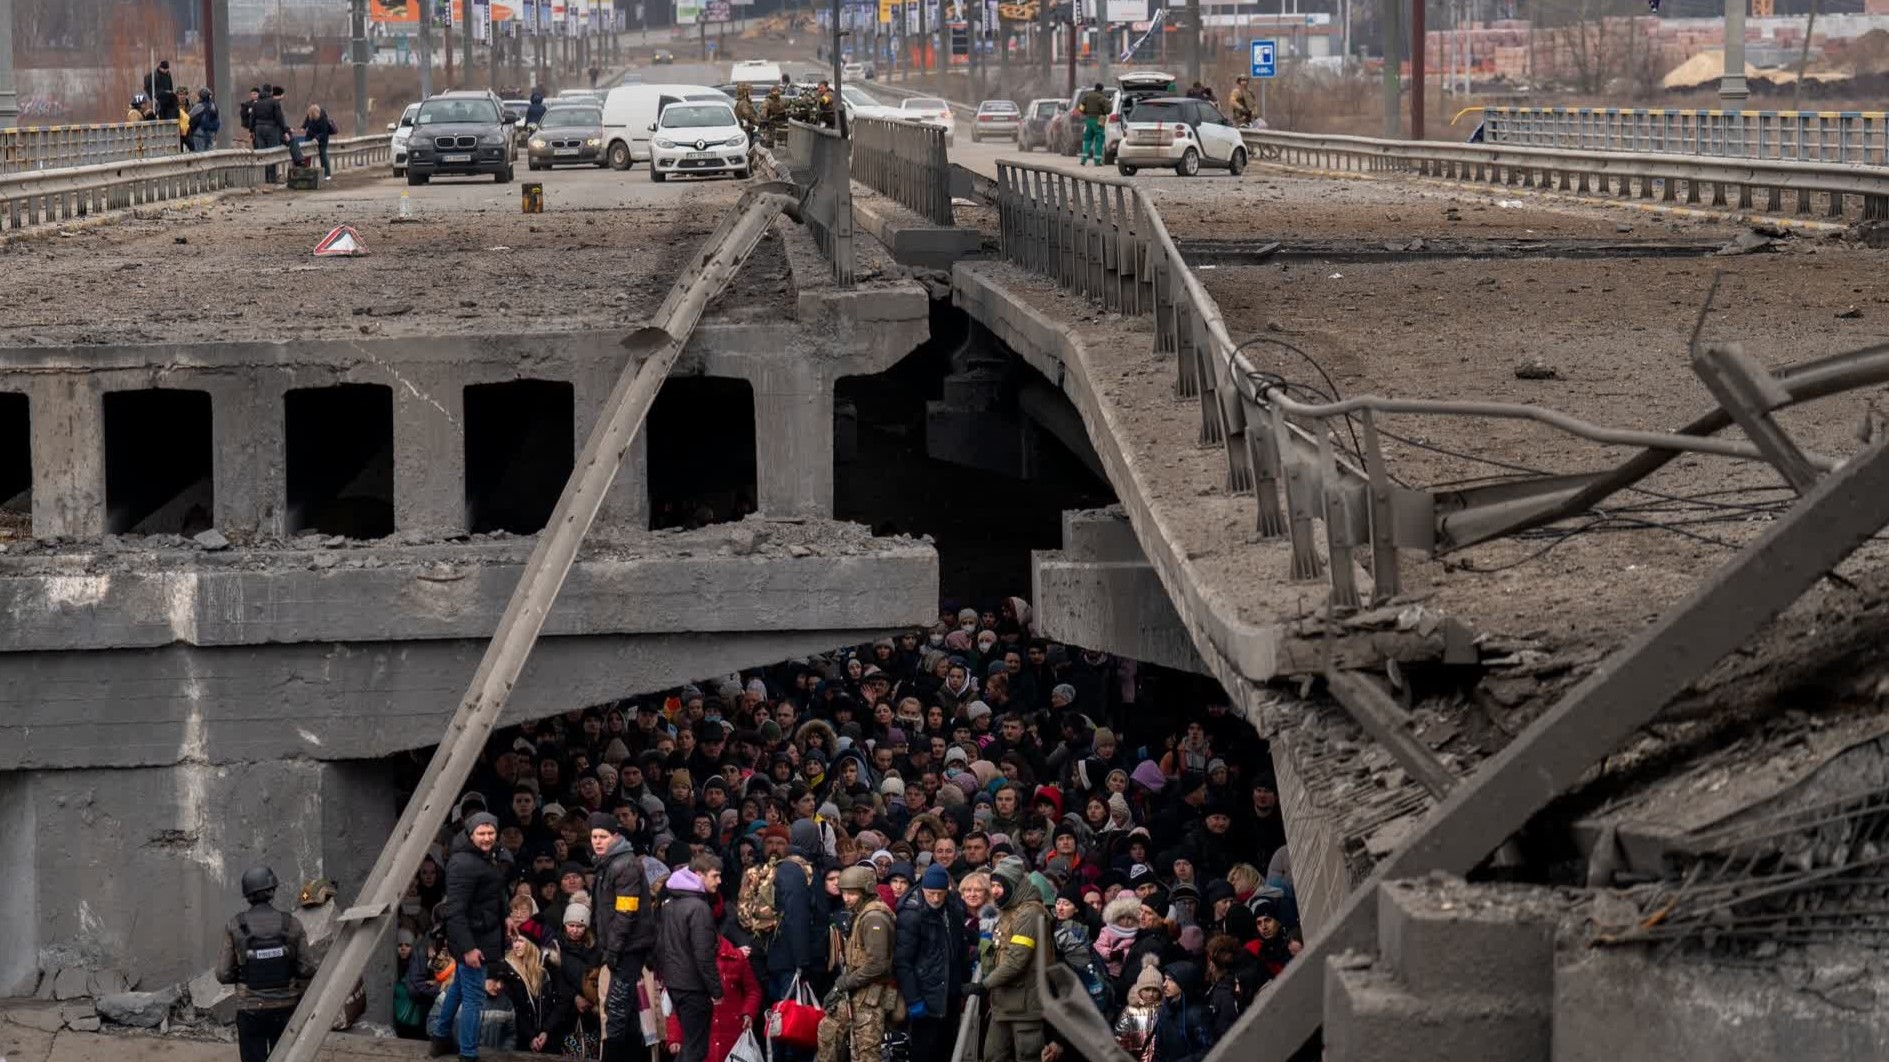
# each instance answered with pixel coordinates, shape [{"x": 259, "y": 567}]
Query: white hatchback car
[
  {"x": 697, "y": 138},
  {"x": 403, "y": 132},
  {"x": 930, "y": 109},
  {"x": 1181, "y": 134}
]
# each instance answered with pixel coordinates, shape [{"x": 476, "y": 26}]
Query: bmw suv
[{"x": 461, "y": 133}]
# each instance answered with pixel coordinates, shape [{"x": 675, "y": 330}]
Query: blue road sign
[{"x": 1264, "y": 56}]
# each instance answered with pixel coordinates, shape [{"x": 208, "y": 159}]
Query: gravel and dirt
[{"x": 603, "y": 255}]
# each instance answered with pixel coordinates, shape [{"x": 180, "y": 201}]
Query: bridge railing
[
  {"x": 1858, "y": 137},
  {"x": 45, "y": 147},
  {"x": 1644, "y": 175},
  {"x": 58, "y": 195},
  {"x": 906, "y": 161},
  {"x": 820, "y": 163}
]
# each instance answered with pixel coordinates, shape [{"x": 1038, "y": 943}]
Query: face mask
[{"x": 937, "y": 640}]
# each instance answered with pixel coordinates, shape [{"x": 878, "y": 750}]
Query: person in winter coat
[
  {"x": 1121, "y": 924},
  {"x": 800, "y": 947},
  {"x": 528, "y": 984},
  {"x": 1234, "y": 979},
  {"x": 687, "y": 949},
  {"x": 1184, "y": 1032},
  {"x": 474, "y": 913},
  {"x": 734, "y": 1013},
  {"x": 625, "y": 928},
  {"x": 1154, "y": 938},
  {"x": 928, "y": 958},
  {"x": 574, "y": 1005},
  {"x": 318, "y": 127},
  {"x": 1134, "y": 1027},
  {"x": 1010, "y": 985},
  {"x": 534, "y": 112},
  {"x": 204, "y": 121}
]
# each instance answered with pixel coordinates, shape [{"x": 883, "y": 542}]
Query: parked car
[
  {"x": 1133, "y": 88},
  {"x": 568, "y": 135},
  {"x": 1034, "y": 132},
  {"x": 690, "y": 139},
  {"x": 852, "y": 72},
  {"x": 402, "y": 132},
  {"x": 761, "y": 73},
  {"x": 1181, "y": 134},
  {"x": 996, "y": 119},
  {"x": 630, "y": 111},
  {"x": 461, "y": 133},
  {"x": 1065, "y": 130},
  {"x": 930, "y": 109}
]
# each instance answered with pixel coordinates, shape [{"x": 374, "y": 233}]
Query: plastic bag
[{"x": 746, "y": 1049}]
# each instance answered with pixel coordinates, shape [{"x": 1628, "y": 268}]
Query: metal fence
[
  {"x": 818, "y": 159},
  {"x": 30, "y": 147},
  {"x": 906, "y": 161},
  {"x": 50, "y": 196},
  {"x": 1721, "y": 182},
  {"x": 1858, "y": 137}
]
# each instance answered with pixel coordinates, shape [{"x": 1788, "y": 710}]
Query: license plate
[
  {"x": 563, "y": 151},
  {"x": 700, "y": 155},
  {"x": 455, "y": 158}
]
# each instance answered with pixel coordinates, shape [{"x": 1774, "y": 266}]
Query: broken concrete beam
[
  {"x": 73, "y": 983},
  {"x": 320, "y": 923},
  {"x": 212, "y": 998},
  {"x": 144, "y": 1010}
]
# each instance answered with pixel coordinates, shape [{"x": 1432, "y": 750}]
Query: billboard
[
  {"x": 718, "y": 11},
  {"x": 407, "y": 12},
  {"x": 688, "y": 12}
]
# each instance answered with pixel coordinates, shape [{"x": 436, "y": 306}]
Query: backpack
[
  {"x": 211, "y": 122},
  {"x": 755, "y": 909}
]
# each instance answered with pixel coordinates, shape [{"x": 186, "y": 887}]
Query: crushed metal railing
[
  {"x": 46, "y": 197},
  {"x": 46, "y": 147},
  {"x": 906, "y": 161},
  {"x": 821, "y": 165},
  {"x": 1860, "y": 137},
  {"x": 1617, "y": 175},
  {"x": 1805, "y": 875}
]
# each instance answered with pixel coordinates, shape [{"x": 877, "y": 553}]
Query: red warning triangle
[{"x": 342, "y": 242}]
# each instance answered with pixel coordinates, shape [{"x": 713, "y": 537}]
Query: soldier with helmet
[
  {"x": 867, "y": 989},
  {"x": 266, "y": 956}
]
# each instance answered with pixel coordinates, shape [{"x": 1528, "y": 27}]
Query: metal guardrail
[
  {"x": 906, "y": 161},
  {"x": 1608, "y": 174},
  {"x": 51, "y": 196},
  {"x": 1860, "y": 137},
  {"x": 820, "y": 162},
  {"x": 45, "y": 147}
]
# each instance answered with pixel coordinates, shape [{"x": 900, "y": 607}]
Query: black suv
[{"x": 464, "y": 132}]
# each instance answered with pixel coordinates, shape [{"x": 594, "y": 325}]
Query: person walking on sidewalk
[{"x": 474, "y": 912}]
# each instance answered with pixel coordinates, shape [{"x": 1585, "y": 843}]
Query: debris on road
[{"x": 1536, "y": 369}]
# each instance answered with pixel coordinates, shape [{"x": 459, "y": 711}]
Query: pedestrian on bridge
[
  {"x": 318, "y": 127},
  {"x": 1094, "y": 107},
  {"x": 268, "y": 124},
  {"x": 203, "y": 121},
  {"x": 266, "y": 956}
]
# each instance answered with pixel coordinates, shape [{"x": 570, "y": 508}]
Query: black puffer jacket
[
  {"x": 474, "y": 908},
  {"x": 623, "y": 920},
  {"x": 928, "y": 951}
]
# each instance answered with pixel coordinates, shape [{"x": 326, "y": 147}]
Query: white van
[
  {"x": 756, "y": 72},
  {"x": 630, "y": 110}
]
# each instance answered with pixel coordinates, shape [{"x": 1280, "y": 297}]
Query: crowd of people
[
  {"x": 883, "y": 833},
  {"x": 264, "y": 115}
]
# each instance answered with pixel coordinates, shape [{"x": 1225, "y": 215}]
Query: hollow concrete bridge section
[{"x": 256, "y": 549}]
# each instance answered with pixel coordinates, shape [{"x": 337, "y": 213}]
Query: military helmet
[
  {"x": 859, "y": 879},
  {"x": 258, "y": 879}
]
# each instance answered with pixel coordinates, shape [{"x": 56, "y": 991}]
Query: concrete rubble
[{"x": 142, "y": 1010}]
